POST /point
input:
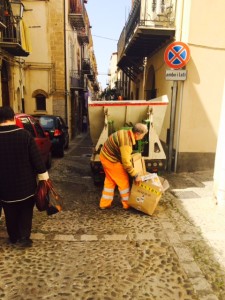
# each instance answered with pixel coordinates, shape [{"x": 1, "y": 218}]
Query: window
[
  {"x": 40, "y": 102},
  {"x": 47, "y": 122}
]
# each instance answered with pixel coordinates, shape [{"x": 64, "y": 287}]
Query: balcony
[
  {"x": 76, "y": 14},
  {"x": 76, "y": 80},
  {"x": 95, "y": 87},
  {"x": 150, "y": 26},
  {"x": 13, "y": 34},
  {"x": 91, "y": 75},
  {"x": 86, "y": 67},
  {"x": 83, "y": 36}
]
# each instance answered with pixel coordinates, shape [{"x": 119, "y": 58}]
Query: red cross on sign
[{"x": 177, "y": 55}]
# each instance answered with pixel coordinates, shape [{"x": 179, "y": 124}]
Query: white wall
[
  {"x": 199, "y": 24},
  {"x": 203, "y": 27},
  {"x": 36, "y": 18}
]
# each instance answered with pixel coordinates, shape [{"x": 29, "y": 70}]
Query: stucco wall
[
  {"x": 204, "y": 87},
  {"x": 38, "y": 71},
  {"x": 45, "y": 66},
  {"x": 202, "y": 100}
]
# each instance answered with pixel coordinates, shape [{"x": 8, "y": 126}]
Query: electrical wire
[
  {"x": 103, "y": 37},
  {"x": 99, "y": 36}
]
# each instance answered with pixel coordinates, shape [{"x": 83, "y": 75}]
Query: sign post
[{"x": 176, "y": 56}]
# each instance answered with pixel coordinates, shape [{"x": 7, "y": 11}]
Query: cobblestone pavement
[{"x": 84, "y": 253}]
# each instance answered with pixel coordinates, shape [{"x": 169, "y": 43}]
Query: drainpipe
[
  {"x": 22, "y": 104},
  {"x": 172, "y": 125},
  {"x": 145, "y": 61},
  {"x": 65, "y": 63},
  {"x": 178, "y": 125},
  {"x": 181, "y": 84}
]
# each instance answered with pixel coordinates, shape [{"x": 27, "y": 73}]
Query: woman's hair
[
  {"x": 140, "y": 128},
  {"x": 6, "y": 114}
]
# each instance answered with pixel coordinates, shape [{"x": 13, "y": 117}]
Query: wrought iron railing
[
  {"x": 154, "y": 14},
  {"x": 13, "y": 37},
  {"x": 91, "y": 75},
  {"x": 86, "y": 67},
  {"x": 10, "y": 32},
  {"x": 83, "y": 35},
  {"x": 76, "y": 80}
]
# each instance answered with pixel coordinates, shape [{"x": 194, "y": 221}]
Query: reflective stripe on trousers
[{"x": 115, "y": 175}]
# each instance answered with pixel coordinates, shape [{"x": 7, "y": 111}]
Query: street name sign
[{"x": 176, "y": 74}]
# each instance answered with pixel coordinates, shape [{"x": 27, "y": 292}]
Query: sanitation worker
[{"x": 115, "y": 157}]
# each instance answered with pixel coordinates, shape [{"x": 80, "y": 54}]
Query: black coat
[{"x": 20, "y": 162}]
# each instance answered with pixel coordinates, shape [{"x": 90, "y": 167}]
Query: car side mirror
[{"x": 46, "y": 134}]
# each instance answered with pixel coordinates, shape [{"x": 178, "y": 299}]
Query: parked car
[
  {"x": 58, "y": 132},
  {"x": 40, "y": 136}
]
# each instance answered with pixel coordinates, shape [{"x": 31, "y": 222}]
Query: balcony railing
[
  {"x": 76, "y": 80},
  {"x": 154, "y": 14},
  {"x": 91, "y": 75},
  {"x": 12, "y": 40},
  {"x": 83, "y": 35},
  {"x": 76, "y": 13},
  {"x": 150, "y": 25},
  {"x": 86, "y": 67}
]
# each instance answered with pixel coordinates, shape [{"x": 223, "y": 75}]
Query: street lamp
[{"x": 17, "y": 10}]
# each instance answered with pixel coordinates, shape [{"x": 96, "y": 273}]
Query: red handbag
[{"x": 47, "y": 198}]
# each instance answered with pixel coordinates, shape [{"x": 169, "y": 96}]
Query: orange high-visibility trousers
[{"x": 115, "y": 175}]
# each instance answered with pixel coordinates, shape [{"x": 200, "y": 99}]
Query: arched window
[
  {"x": 40, "y": 99},
  {"x": 40, "y": 102}
]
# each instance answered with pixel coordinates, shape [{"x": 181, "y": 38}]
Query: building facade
[
  {"x": 47, "y": 59},
  {"x": 191, "y": 126}
]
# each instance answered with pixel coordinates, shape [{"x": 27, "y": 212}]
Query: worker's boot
[
  {"x": 105, "y": 203},
  {"x": 125, "y": 204}
]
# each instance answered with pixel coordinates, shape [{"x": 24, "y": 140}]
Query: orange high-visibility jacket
[{"x": 118, "y": 148}]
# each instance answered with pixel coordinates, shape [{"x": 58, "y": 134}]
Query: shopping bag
[
  {"x": 41, "y": 195},
  {"x": 47, "y": 198}
]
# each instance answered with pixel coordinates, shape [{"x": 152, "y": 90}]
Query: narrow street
[{"x": 84, "y": 253}]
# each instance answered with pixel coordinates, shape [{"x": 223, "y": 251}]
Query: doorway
[{"x": 150, "y": 90}]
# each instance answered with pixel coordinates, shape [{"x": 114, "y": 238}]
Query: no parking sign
[{"x": 177, "y": 55}]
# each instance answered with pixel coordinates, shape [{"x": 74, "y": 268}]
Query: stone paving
[{"x": 83, "y": 253}]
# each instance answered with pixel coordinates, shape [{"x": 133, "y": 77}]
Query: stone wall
[{"x": 56, "y": 27}]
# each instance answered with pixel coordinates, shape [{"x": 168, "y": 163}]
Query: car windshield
[{"x": 47, "y": 123}]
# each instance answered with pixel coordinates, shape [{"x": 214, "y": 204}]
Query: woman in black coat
[{"x": 21, "y": 167}]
